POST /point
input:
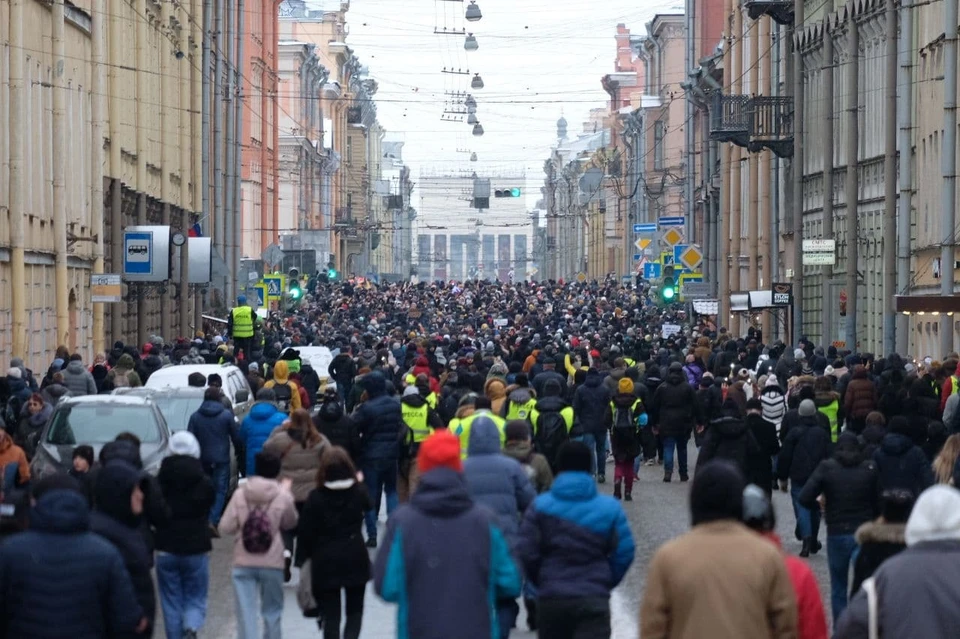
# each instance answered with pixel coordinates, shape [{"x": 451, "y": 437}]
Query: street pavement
[{"x": 658, "y": 513}]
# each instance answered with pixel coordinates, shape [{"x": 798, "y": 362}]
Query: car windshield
[
  {"x": 177, "y": 410},
  {"x": 101, "y": 423}
]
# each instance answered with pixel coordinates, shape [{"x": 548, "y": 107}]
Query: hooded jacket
[
  {"x": 260, "y": 422},
  {"x": 675, "y": 407},
  {"x": 729, "y": 438},
  {"x": 495, "y": 480},
  {"x": 496, "y": 390},
  {"x": 806, "y": 445},
  {"x": 918, "y": 589},
  {"x": 114, "y": 520},
  {"x": 878, "y": 541},
  {"x": 214, "y": 427},
  {"x": 378, "y": 421},
  {"x": 298, "y": 462},
  {"x": 124, "y": 373},
  {"x": 189, "y": 495},
  {"x": 13, "y": 461},
  {"x": 277, "y": 501},
  {"x": 80, "y": 572},
  {"x": 626, "y": 442},
  {"x": 281, "y": 376},
  {"x": 78, "y": 379},
  {"x": 339, "y": 429},
  {"x": 575, "y": 542},
  {"x": 591, "y": 404},
  {"x": 445, "y": 589},
  {"x": 534, "y": 464},
  {"x": 861, "y": 395},
  {"x": 850, "y": 485},
  {"x": 901, "y": 464}
]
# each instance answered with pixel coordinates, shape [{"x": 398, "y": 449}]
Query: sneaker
[
  {"x": 666, "y": 479},
  {"x": 372, "y": 542},
  {"x": 628, "y": 496},
  {"x": 616, "y": 490},
  {"x": 684, "y": 477},
  {"x": 650, "y": 462}
]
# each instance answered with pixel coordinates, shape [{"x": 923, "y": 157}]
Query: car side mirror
[{"x": 242, "y": 396}]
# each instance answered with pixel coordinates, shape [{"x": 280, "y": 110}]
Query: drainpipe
[
  {"x": 736, "y": 186},
  {"x": 187, "y": 109},
  {"x": 689, "y": 129},
  {"x": 143, "y": 142},
  {"x": 98, "y": 91},
  {"x": 216, "y": 100},
  {"x": 59, "y": 175},
  {"x": 905, "y": 144},
  {"x": 753, "y": 173},
  {"x": 18, "y": 212},
  {"x": 774, "y": 227},
  {"x": 238, "y": 141},
  {"x": 205, "y": 118},
  {"x": 853, "y": 184},
  {"x": 168, "y": 114},
  {"x": 949, "y": 168},
  {"x": 762, "y": 249},
  {"x": 230, "y": 152},
  {"x": 890, "y": 186},
  {"x": 826, "y": 314},
  {"x": 797, "y": 203}
]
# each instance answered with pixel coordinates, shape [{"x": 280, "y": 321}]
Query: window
[{"x": 658, "y": 134}]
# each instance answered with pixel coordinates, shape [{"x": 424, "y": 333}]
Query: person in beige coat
[
  {"x": 720, "y": 580},
  {"x": 298, "y": 444}
]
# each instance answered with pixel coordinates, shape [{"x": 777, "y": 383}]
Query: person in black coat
[
  {"x": 591, "y": 408},
  {"x": 760, "y": 463},
  {"x": 728, "y": 438},
  {"x": 338, "y": 427},
  {"x": 807, "y": 444},
  {"x": 329, "y": 535},
  {"x": 183, "y": 565},
  {"x": 901, "y": 463},
  {"x": 675, "y": 412},
  {"x": 849, "y": 484},
  {"x": 58, "y": 579},
  {"x": 882, "y": 538},
  {"x": 119, "y": 500}
]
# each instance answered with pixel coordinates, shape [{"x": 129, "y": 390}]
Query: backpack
[
  {"x": 623, "y": 420},
  {"x": 257, "y": 531},
  {"x": 284, "y": 394},
  {"x": 551, "y": 434},
  {"x": 11, "y": 412}
]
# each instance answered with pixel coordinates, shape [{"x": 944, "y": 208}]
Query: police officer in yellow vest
[
  {"x": 422, "y": 382},
  {"x": 241, "y": 326},
  {"x": 420, "y": 421},
  {"x": 461, "y": 427}
]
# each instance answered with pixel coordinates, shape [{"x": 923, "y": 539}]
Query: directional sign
[
  {"x": 673, "y": 221},
  {"x": 819, "y": 246},
  {"x": 695, "y": 290},
  {"x": 106, "y": 288},
  {"x": 639, "y": 229},
  {"x": 819, "y": 259},
  {"x": 690, "y": 257},
  {"x": 642, "y": 243},
  {"x": 137, "y": 253},
  {"x": 651, "y": 271},
  {"x": 672, "y": 236},
  {"x": 275, "y": 285}
]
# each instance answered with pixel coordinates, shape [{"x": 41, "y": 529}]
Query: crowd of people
[{"x": 486, "y": 416}]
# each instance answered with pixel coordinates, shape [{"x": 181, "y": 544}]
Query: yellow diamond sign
[
  {"x": 642, "y": 243},
  {"x": 672, "y": 236},
  {"x": 691, "y": 258}
]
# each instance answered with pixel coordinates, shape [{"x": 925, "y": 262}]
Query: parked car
[
  {"x": 96, "y": 420},
  {"x": 235, "y": 385}
]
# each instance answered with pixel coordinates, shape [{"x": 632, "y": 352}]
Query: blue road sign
[
  {"x": 644, "y": 228},
  {"x": 137, "y": 253},
  {"x": 636, "y": 257},
  {"x": 651, "y": 271},
  {"x": 672, "y": 221},
  {"x": 261, "y": 302},
  {"x": 678, "y": 251},
  {"x": 274, "y": 285}
]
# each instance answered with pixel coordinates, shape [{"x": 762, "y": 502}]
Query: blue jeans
[
  {"x": 380, "y": 475},
  {"x": 840, "y": 550},
  {"x": 680, "y": 443},
  {"x": 248, "y": 583},
  {"x": 182, "y": 581},
  {"x": 808, "y": 519},
  {"x": 598, "y": 443},
  {"x": 220, "y": 476}
]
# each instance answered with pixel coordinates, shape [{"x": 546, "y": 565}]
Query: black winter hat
[
  {"x": 717, "y": 493},
  {"x": 574, "y": 457}
]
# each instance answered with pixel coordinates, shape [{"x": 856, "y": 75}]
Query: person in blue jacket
[
  {"x": 214, "y": 427},
  {"x": 576, "y": 546},
  {"x": 443, "y": 559},
  {"x": 263, "y": 419}
]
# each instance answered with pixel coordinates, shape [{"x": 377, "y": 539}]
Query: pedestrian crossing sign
[
  {"x": 261, "y": 290},
  {"x": 275, "y": 285}
]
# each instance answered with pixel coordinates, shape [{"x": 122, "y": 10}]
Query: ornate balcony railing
[
  {"x": 730, "y": 119},
  {"x": 771, "y": 124}
]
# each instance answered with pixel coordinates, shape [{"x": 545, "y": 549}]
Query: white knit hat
[{"x": 184, "y": 443}]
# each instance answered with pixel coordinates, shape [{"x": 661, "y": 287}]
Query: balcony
[
  {"x": 781, "y": 11},
  {"x": 771, "y": 125},
  {"x": 730, "y": 119}
]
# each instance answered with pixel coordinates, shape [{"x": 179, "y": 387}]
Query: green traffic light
[
  {"x": 668, "y": 293},
  {"x": 514, "y": 192},
  {"x": 296, "y": 293},
  {"x": 332, "y": 273}
]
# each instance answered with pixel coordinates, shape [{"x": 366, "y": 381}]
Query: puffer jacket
[
  {"x": 675, "y": 407},
  {"x": 257, "y": 426},
  {"x": 214, "y": 427},
  {"x": 729, "y": 438},
  {"x": 298, "y": 463},
  {"x": 878, "y": 541},
  {"x": 496, "y": 480},
  {"x": 496, "y": 390},
  {"x": 850, "y": 485},
  {"x": 575, "y": 542},
  {"x": 807, "y": 444},
  {"x": 378, "y": 421},
  {"x": 78, "y": 379},
  {"x": 278, "y": 502},
  {"x": 861, "y": 395},
  {"x": 189, "y": 494},
  {"x": 902, "y": 464},
  {"x": 591, "y": 404}
]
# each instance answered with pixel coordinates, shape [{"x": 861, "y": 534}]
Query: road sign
[
  {"x": 106, "y": 288},
  {"x": 637, "y": 257},
  {"x": 642, "y": 243},
  {"x": 639, "y": 229},
  {"x": 695, "y": 290},
  {"x": 581, "y": 277},
  {"x": 651, "y": 271},
  {"x": 690, "y": 257},
  {"x": 819, "y": 259},
  {"x": 819, "y": 246},
  {"x": 262, "y": 297},
  {"x": 672, "y": 236},
  {"x": 276, "y": 284},
  {"x": 272, "y": 255},
  {"x": 137, "y": 253},
  {"x": 673, "y": 221},
  {"x": 666, "y": 259}
]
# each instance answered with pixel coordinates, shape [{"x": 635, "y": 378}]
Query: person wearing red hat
[{"x": 442, "y": 554}]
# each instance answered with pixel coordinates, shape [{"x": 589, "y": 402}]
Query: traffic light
[
  {"x": 514, "y": 192},
  {"x": 331, "y": 271},
  {"x": 293, "y": 286},
  {"x": 668, "y": 287}
]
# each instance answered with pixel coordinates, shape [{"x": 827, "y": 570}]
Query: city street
[{"x": 658, "y": 513}]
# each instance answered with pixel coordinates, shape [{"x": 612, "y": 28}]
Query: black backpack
[
  {"x": 551, "y": 435},
  {"x": 284, "y": 394},
  {"x": 623, "y": 420}
]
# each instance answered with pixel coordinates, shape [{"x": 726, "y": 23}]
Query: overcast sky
[{"x": 538, "y": 59}]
